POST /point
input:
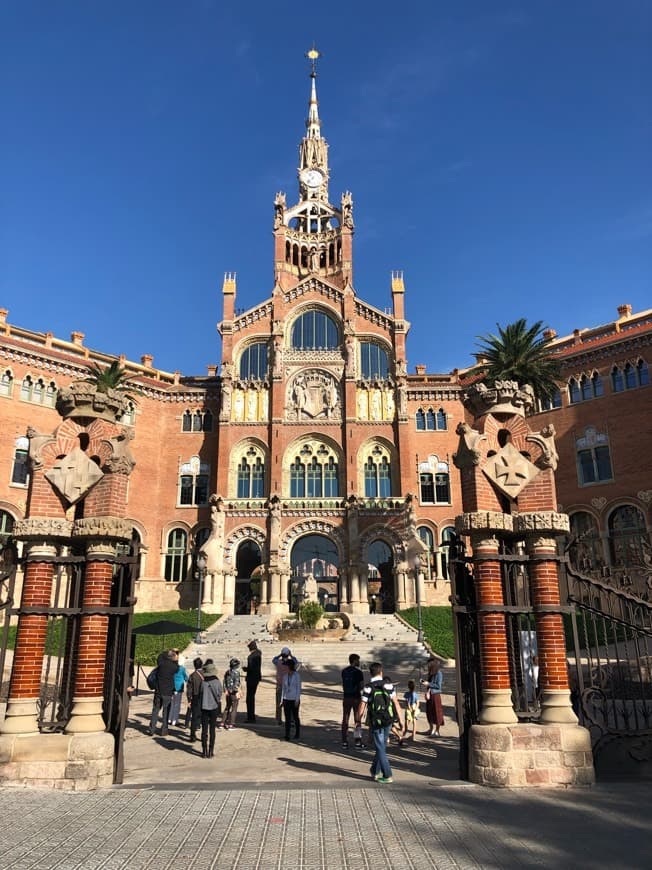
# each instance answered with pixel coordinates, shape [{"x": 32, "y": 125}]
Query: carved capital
[
  {"x": 543, "y": 521},
  {"x": 504, "y": 397},
  {"x": 102, "y": 527},
  {"x": 487, "y": 521},
  {"x": 42, "y": 528},
  {"x": 645, "y": 495},
  {"x": 541, "y": 542}
]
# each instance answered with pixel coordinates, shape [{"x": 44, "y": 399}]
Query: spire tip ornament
[{"x": 313, "y": 56}]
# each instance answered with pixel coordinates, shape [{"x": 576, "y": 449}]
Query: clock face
[{"x": 312, "y": 177}]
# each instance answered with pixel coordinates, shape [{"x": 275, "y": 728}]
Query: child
[
  {"x": 411, "y": 708},
  {"x": 232, "y": 690}
]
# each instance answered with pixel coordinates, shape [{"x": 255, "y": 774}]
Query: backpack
[
  {"x": 380, "y": 709},
  {"x": 152, "y": 678}
]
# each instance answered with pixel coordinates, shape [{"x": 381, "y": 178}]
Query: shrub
[{"x": 310, "y": 613}]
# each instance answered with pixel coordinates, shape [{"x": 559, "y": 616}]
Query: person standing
[
  {"x": 411, "y": 699},
  {"x": 211, "y": 707},
  {"x": 372, "y": 605},
  {"x": 193, "y": 694},
  {"x": 280, "y": 662},
  {"x": 232, "y": 690},
  {"x": 381, "y": 704},
  {"x": 180, "y": 680},
  {"x": 352, "y": 686},
  {"x": 291, "y": 699},
  {"x": 433, "y": 683},
  {"x": 166, "y": 668},
  {"x": 253, "y": 671}
]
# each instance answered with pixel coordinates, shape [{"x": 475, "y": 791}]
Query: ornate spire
[
  {"x": 312, "y": 122},
  {"x": 313, "y": 151}
]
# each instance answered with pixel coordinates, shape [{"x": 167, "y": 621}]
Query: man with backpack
[
  {"x": 193, "y": 694},
  {"x": 352, "y": 685},
  {"x": 383, "y": 708}
]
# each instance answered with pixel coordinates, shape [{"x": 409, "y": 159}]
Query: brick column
[
  {"x": 86, "y": 714},
  {"x": 551, "y": 641},
  {"x": 496, "y": 687},
  {"x": 25, "y": 681}
]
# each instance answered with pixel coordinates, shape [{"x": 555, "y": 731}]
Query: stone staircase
[{"x": 381, "y": 637}]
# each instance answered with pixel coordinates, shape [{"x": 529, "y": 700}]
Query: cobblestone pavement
[{"x": 378, "y": 826}]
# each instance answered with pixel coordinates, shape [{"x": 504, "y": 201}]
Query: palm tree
[
  {"x": 520, "y": 353},
  {"x": 112, "y": 378}
]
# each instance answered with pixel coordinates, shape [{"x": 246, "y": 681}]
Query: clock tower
[{"x": 313, "y": 237}]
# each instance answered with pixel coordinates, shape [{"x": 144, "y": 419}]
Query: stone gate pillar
[
  {"x": 496, "y": 686},
  {"x": 27, "y": 666},
  {"x": 81, "y": 468},
  {"x": 508, "y": 494}
]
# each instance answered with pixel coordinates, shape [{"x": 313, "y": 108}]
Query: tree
[
  {"x": 520, "y": 353},
  {"x": 114, "y": 377}
]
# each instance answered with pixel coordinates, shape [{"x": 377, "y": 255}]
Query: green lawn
[
  {"x": 437, "y": 625},
  {"x": 147, "y": 646}
]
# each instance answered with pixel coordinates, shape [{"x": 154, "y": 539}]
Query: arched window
[
  {"x": 6, "y": 382},
  {"x": 175, "y": 556},
  {"x": 196, "y": 421},
  {"x": 574, "y": 391},
  {"x": 550, "y": 402},
  {"x": 254, "y": 362},
  {"x": 630, "y": 377},
  {"x": 643, "y": 373},
  {"x": 617, "y": 382},
  {"x": 314, "y": 473},
  {"x": 26, "y": 389},
  {"x": 431, "y": 420},
  {"x": 20, "y": 470},
  {"x": 129, "y": 416},
  {"x": 586, "y": 388},
  {"x": 314, "y": 330},
  {"x": 377, "y": 475},
  {"x": 251, "y": 475},
  {"x": 596, "y": 385},
  {"x": 627, "y": 537},
  {"x": 374, "y": 362},
  {"x": 584, "y": 552}
]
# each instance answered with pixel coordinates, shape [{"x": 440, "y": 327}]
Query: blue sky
[{"x": 497, "y": 152}]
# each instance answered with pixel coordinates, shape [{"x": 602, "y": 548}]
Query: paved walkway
[{"x": 264, "y": 803}]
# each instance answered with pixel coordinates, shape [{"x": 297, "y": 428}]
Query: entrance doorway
[
  {"x": 247, "y": 584},
  {"x": 316, "y": 555},
  {"x": 381, "y": 576}
]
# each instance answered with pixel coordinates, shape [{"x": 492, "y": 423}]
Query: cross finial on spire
[{"x": 313, "y": 56}]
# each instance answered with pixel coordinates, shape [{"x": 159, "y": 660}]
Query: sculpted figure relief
[
  {"x": 238, "y": 405},
  {"x": 314, "y": 394},
  {"x": 252, "y": 405}
]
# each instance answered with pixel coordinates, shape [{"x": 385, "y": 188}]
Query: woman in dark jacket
[{"x": 211, "y": 707}]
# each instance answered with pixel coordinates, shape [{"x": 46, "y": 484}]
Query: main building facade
[{"x": 312, "y": 452}]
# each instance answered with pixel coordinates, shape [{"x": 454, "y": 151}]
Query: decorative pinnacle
[
  {"x": 313, "y": 56},
  {"x": 313, "y": 122}
]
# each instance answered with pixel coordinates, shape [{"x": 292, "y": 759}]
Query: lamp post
[
  {"x": 201, "y": 562},
  {"x": 417, "y": 588}
]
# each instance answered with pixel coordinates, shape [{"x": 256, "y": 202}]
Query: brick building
[{"x": 314, "y": 452}]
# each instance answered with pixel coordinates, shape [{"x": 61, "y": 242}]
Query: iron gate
[
  {"x": 608, "y": 635},
  {"x": 62, "y": 642}
]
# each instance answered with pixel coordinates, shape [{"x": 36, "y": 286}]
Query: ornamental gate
[
  {"x": 608, "y": 633},
  {"x": 64, "y": 615}
]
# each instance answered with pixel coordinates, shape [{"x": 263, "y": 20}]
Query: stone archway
[
  {"x": 316, "y": 555},
  {"x": 383, "y": 556},
  {"x": 248, "y": 559},
  {"x": 312, "y": 528}
]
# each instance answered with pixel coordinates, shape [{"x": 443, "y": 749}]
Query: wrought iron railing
[{"x": 610, "y": 666}]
